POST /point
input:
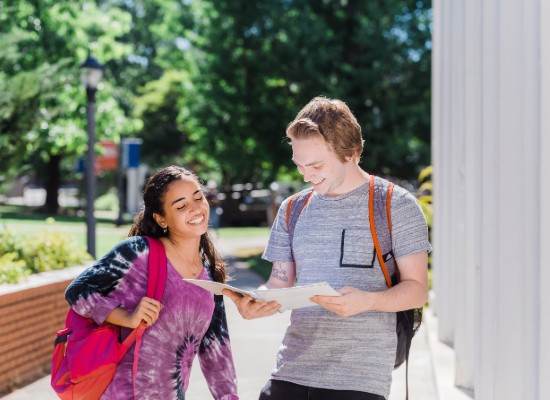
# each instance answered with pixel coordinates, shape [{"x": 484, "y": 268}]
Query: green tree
[
  {"x": 42, "y": 120},
  {"x": 212, "y": 83},
  {"x": 259, "y": 62},
  {"x": 164, "y": 138},
  {"x": 155, "y": 77}
]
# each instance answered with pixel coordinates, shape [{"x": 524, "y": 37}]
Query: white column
[
  {"x": 530, "y": 130},
  {"x": 437, "y": 146},
  {"x": 511, "y": 301},
  {"x": 443, "y": 269},
  {"x": 466, "y": 343},
  {"x": 457, "y": 262},
  {"x": 486, "y": 359},
  {"x": 544, "y": 195},
  {"x": 491, "y": 146},
  {"x": 457, "y": 203}
]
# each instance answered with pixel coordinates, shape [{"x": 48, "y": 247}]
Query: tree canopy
[
  {"x": 259, "y": 62},
  {"x": 212, "y": 83}
]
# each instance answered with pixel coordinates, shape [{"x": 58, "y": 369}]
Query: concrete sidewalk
[{"x": 255, "y": 345}]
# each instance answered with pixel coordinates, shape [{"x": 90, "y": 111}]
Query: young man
[{"x": 344, "y": 349}]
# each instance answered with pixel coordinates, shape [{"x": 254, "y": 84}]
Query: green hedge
[{"x": 46, "y": 250}]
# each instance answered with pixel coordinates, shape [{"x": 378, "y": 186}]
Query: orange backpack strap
[
  {"x": 373, "y": 228},
  {"x": 288, "y": 207},
  {"x": 388, "y": 204}
]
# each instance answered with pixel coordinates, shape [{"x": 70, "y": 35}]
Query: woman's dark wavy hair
[{"x": 153, "y": 199}]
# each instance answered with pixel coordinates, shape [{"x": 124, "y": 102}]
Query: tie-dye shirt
[{"x": 192, "y": 321}]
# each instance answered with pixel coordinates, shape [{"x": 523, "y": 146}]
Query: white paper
[
  {"x": 288, "y": 298},
  {"x": 217, "y": 287}
]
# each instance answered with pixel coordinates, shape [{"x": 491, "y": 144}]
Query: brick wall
[{"x": 29, "y": 320}]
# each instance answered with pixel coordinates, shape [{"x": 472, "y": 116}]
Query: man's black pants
[{"x": 282, "y": 390}]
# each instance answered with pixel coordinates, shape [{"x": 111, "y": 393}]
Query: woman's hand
[
  {"x": 250, "y": 308},
  {"x": 147, "y": 310}
]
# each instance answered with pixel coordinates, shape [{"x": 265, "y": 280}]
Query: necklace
[{"x": 193, "y": 271}]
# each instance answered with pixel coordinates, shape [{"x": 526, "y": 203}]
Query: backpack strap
[
  {"x": 155, "y": 282},
  {"x": 381, "y": 258},
  {"x": 388, "y": 205},
  {"x": 155, "y": 289},
  {"x": 157, "y": 269},
  {"x": 379, "y": 253},
  {"x": 296, "y": 204}
]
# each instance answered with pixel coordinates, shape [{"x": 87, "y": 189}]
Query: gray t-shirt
[{"x": 332, "y": 243}]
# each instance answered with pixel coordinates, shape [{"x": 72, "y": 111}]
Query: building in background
[{"x": 491, "y": 158}]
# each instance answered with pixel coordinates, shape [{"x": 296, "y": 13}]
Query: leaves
[
  {"x": 213, "y": 83},
  {"x": 42, "y": 110},
  {"x": 262, "y": 61}
]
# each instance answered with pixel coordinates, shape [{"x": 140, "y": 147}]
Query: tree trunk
[{"x": 53, "y": 180}]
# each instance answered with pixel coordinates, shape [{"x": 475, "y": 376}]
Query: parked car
[{"x": 254, "y": 205}]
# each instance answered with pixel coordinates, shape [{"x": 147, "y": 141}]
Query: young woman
[{"x": 188, "y": 320}]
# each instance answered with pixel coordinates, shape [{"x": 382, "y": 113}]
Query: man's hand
[
  {"x": 352, "y": 302},
  {"x": 411, "y": 292},
  {"x": 250, "y": 308}
]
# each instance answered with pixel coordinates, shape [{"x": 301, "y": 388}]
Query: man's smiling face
[{"x": 319, "y": 164}]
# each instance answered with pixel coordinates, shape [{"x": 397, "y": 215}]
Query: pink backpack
[{"x": 86, "y": 355}]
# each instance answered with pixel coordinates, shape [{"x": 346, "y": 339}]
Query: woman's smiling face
[{"x": 186, "y": 209}]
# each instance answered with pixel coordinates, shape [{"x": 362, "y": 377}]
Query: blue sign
[
  {"x": 131, "y": 152},
  {"x": 80, "y": 166}
]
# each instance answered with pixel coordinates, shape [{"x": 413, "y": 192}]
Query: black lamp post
[{"x": 92, "y": 72}]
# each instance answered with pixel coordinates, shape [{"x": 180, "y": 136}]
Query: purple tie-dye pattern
[{"x": 191, "y": 322}]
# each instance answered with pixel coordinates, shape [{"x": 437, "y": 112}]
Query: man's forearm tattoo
[{"x": 279, "y": 273}]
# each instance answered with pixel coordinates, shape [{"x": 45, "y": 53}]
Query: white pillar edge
[
  {"x": 544, "y": 193},
  {"x": 530, "y": 131},
  {"x": 487, "y": 358},
  {"x": 435, "y": 143}
]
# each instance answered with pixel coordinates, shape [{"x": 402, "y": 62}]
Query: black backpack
[{"x": 380, "y": 193}]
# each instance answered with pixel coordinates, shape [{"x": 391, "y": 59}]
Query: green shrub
[
  {"x": 107, "y": 201},
  {"x": 52, "y": 249},
  {"x": 11, "y": 269},
  {"x": 49, "y": 249},
  {"x": 260, "y": 266},
  {"x": 9, "y": 242}
]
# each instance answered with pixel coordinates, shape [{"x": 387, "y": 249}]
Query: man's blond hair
[{"x": 333, "y": 121}]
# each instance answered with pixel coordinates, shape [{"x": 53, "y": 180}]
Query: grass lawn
[
  {"x": 241, "y": 232},
  {"x": 24, "y": 221}
]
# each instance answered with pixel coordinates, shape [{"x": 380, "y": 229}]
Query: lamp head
[{"x": 92, "y": 71}]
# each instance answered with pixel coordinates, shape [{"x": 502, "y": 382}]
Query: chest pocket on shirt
[{"x": 356, "y": 249}]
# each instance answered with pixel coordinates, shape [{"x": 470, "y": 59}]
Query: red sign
[{"x": 108, "y": 159}]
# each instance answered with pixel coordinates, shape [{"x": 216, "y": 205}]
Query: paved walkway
[{"x": 255, "y": 345}]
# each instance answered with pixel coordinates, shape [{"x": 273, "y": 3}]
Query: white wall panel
[
  {"x": 444, "y": 268},
  {"x": 511, "y": 242},
  {"x": 437, "y": 146},
  {"x": 543, "y": 347},
  {"x": 530, "y": 180},
  {"x": 466, "y": 333},
  {"x": 491, "y": 157}
]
